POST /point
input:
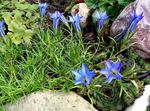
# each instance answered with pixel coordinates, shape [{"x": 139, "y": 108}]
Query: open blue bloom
[
  {"x": 100, "y": 17},
  {"x": 42, "y": 9},
  {"x": 133, "y": 21},
  {"x": 83, "y": 76},
  {"x": 56, "y": 17},
  {"x": 2, "y": 33},
  {"x": 75, "y": 20},
  {"x": 112, "y": 71}
]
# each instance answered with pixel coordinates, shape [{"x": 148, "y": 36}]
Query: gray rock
[
  {"x": 141, "y": 38},
  {"x": 141, "y": 103},
  {"x": 50, "y": 101}
]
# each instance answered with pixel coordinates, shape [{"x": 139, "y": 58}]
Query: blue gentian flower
[
  {"x": 133, "y": 16},
  {"x": 112, "y": 71},
  {"x": 75, "y": 20},
  {"x": 2, "y": 33},
  {"x": 56, "y": 17},
  {"x": 42, "y": 9},
  {"x": 100, "y": 18},
  {"x": 133, "y": 21},
  {"x": 83, "y": 76}
]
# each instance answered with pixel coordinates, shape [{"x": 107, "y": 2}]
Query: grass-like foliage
[{"x": 45, "y": 64}]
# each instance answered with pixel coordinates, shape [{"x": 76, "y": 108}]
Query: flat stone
[
  {"x": 50, "y": 101},
  {"x": 141, "y": 38}
]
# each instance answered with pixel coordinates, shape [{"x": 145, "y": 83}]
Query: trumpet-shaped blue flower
[
  {"x": 2, "y": 33},
  {"x": 75, "y": 20},
  {"x": 100, "y": 17},
  {"x": 112, "y": 71},
  {"x": 56, "y": 17},
  {"x": 134, "y": 20},
  {"x": 42, "y": 9},
  {"x": 83, "y": 76}
]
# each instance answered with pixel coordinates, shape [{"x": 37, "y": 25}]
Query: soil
[{"x": 59, "y": 5}]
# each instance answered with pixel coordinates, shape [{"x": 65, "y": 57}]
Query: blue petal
[
  {"x": 56, "y": 23},
  {"x": 105, "y": 71},
  {"x": 73, "y": 23},
  {"x": 104, "y": 16},
  {"x": 90, "y": 77},
  {"x": 118, "y": 66},
  {"x": 56, "y": 14},
  {"x": 100, "y": 15},
  {"x": 75, "y": 20},
  {"x": 71, "y": 19},
  {"x": 133, "y": 16},
  {"x": 56, "y": 18},
  {"x": 77, "y": 27},
  {"x": 77, "y": 17},
  {"x": 109, "y": 79},
  {"x": 109, "y": 64},
  {"x": 2, "y": 33},
  {"x": 84, "y": 70},
  {"x": 135, "y": 22},
  {"x": 1, "y": 23},
  {"x": 76, "y": 73},
  {"x": 118, "y": 76},
  {"x": 91, "y": 73},
  {"x": 100, "y": 23},
  {"x": 64, "y": 20},
  {"x": 42, "y": 8},
  {"x": 76, "y": 82},
  {"x": 97, "y": 15}
]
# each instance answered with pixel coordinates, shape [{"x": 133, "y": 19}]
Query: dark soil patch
[{"x": 59, "y": 5}]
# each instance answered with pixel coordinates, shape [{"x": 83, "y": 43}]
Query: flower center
[
  {"x": 113, "y": 72},
  {"x": 83, "y": 80}
]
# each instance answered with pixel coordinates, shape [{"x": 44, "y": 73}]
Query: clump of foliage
[
  {"x": 113, "y": 7},
  {"x": 21, "y": 19}
]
